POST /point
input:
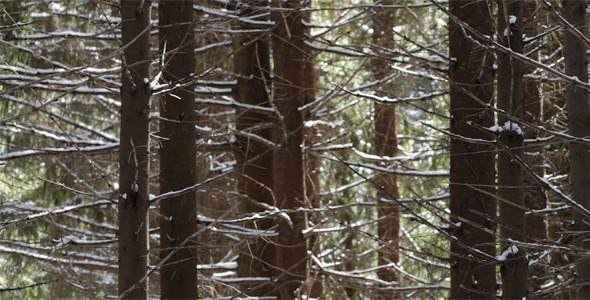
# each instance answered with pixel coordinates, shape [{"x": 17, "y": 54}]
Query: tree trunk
[
  {"x": 514, "y": 268},
  {"x": 578, "y": 115},
  {"x": 472, "y": 165},
  {"x": 289, "y": 95},
  {"x": 178, "y": 168},
  {"x": 386, "y": 145},
  {"x": 534, "y": 198},
  {"x": 134, "y": 150},
  {"x": 252, "y": 65},
  {"x": 312, "y": 162}
]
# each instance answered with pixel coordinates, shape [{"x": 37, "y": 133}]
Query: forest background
[{"x": 294, "y": 149}]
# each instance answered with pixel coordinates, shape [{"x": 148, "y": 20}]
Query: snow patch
[
  {"x": 512, "y": 19},
  {"x": 508, "y": 126},
  {"x": 512, "y": 250},
  {"x": 65, "y": 240}
]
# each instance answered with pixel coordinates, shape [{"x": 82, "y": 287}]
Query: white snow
[
  {"x": 512, "y": 19},
  {"x": 512, "y": 250},
  {"x": 495, "y": 128},
  {"x": 512, "y": 126},
  {"x": 65, "y": 240},
  {"x": 331, "y": 124},
  {"x": 508, "y": 126},
  {"x": 220, "y": 265}
]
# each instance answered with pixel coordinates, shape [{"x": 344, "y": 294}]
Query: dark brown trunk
[
  {"x": 251, "y": 65},
  {"x": 578, "y": 115},
  {"x": 289, "y": 95},
  {"x": 472, "y": 165},
  {"x": 178, "y": 168},
  {"x": 514, "y": 267},
  {"x": 535, "y": 197},
  {"x": 386, "y": 145},
  {"x": 134, "y": 150}
]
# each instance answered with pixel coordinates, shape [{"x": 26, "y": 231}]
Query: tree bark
[
  {"x": 252, "y": 66},
  {"x": 312, "y": 162},
  {"x": 514, "y": 268},
  {"x": 472, "y": 165},
  {"x": 134, "y": 150},
  {"x": 578, "y": 115},
  {"x": 178, "y": 168},
  {"x": 535, "y": 198},
  {"x": 386, "y": 145},
  {"x": 289, "y": 188}
]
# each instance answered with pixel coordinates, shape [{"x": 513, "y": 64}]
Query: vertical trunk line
[
  {"x": 289, "y": 95},
  {"x": 178, "y": 153},
  {"x": 578, "y": 114},
  {"x": 134, "y": 151},
  {"x": 314, "y": 284},
  {"x": 255, "y": 159},
  {"x": 472, "y": 165},
  {"x": 514, "y": 269},
  {"x": 535, "y": 198},
  {"x": 389, "y": 213}
]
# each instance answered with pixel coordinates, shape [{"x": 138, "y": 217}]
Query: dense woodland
[{"x": 282, "y": 149}]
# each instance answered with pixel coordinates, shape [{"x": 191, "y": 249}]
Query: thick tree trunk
[
  {"x": 472, "y": 165},
  {"x": 252, "y": 65},
  {"x": 578, "y": 115},
  {"x": 289, "y": 95},
  {"x": 134, "y": 150},
  {"x": 514, "y": 268},
  {"x": 386, "y": 145},
  {"x": 178, "y": 168},
  {"x": 535, "y": 197}
]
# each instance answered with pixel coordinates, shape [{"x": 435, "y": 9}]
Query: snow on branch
[
  {"x": 56, "y": 211},
  {"x": 408, "y": 172},
  {"x": 58, "y": 151}
]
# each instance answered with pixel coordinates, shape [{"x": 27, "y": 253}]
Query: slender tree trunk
[
  {"x": 472, "y": 165},
  {"x": 578, "y": 115},
  {"x": 252, "y": 65},
  {"x": 535, "y": 197},
  {"x": 386, "y": 145},
  {"x": 514, "y": 268},
  {"x": 289, "y": 95},
  {"x": 134, "y": 150},
  {"x": 312, "y": 162},
  {"x": 178, "y": 154},
  {"x": 213, "y": 246}
]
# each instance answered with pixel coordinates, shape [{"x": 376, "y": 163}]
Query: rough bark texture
[
  {"x": 251, "y": 65},
  {"x": 289, "y": 95},
  {"x": 178, "y": 153},
  {"x": 535, "y": 197},
  {"x": 134, "y": 150},
  {"x": 514, "y": 269},
  {"x": 578, "y": 115},
  {"x": 472, "y": 165},
  {"x": 386, "y": 145}
]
